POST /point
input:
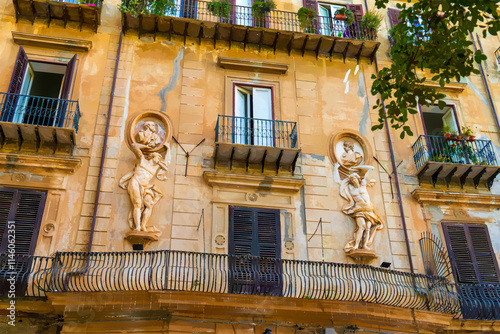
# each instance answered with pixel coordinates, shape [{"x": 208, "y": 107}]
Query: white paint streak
[
  {"x": 347, "y": 76},
  {"x": 356, "y": 70},
  {"x": 346, "y": 88}
]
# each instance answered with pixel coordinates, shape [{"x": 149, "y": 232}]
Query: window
[
  {"x": 37, "y": 91},
  {"x": 471, "y": 254},
  {"x": 256, "y": 232},
  {"x": 434, "y": 119},
  {"x": 253, "y": 111}
]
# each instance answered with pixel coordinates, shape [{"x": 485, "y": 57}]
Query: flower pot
[
  {"x": 459, "y": 137},
  {"x": 447, "y": 136},
  {"x": 341, "y": 17},
  {"x": 472, "y": 138},
  {"x": 90, "y": 4}
]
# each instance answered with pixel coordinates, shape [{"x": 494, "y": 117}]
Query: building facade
[{"x": 181, "y": 168}]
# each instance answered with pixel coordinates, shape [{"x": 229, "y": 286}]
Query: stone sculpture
[
  {"x": 359, "y": 207},
  {"x": 143, "y": 194},
  {"x": 350, "y": 158}
]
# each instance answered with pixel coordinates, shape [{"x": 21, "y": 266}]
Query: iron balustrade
[
  {"x": 497, "y": 56},
  {"x": 439, "y": 149},
  {"x": 255, "y": 131},
  {"x": 25, "y": 276},
  {"x": 220, "y": 273},
  {"x": 244, "y": 16},
  {"x": 37, "y": 110}
]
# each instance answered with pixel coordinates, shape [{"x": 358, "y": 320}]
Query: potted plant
[
  {"x": 467, "y": 133},
  {"x": 371, "y": 22},
  {"x": 260, "y": 10},
  {"x": 306, "y": 17},
  {"x": 220, "y": 8},
  {"x": 446, "y": 132},
  {"x": 344, "y": 14}
]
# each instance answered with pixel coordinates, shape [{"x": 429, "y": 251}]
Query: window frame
[
  {"x": 455, "y": 114},
  {"x": 236, "y": 83}
]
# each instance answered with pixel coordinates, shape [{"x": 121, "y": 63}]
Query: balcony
[
  {"x": 257, "y": 144},
  {"x": 84, "y": 12},
  {"x": 277, "y": 30},
  {"x": 42, "y": 125},
  {"x": 455, "y": 161}
]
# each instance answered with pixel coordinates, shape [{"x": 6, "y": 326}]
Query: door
[
  {"x": 22, "y": 103},
  {"x": 242, "y": 125},
  {"x": 263, "y": 134},
  {"x": 243, "y": 12},
  {"x": 254, "y": 232},
  {"x": 20, "y": 217},
  {"x": 9, "y": 101}
]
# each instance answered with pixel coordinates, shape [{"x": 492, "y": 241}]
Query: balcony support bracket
[
  {"x": 436, "y": 175},
  {"x": 276, "y": 41},
  {"x": 422, "y": 173},
  {"x": 449, "y": 176},
  {"x": 332, "y": 48},
  {"x": 463, "y": 178},
  {"x": 478, "y": 177},
  {"x": 215, "y": 35},
  {"x": 289, "y": 46},
  {"x": 185, "y": 33},
  {"x": 294, "y": 163},
  {"x": 264, "y": 160},
  {"x": 247, "y": 160},
  {"x": 245, "y": 40},
  {"x": 358, "y": 55},
  {"x": 171, "y": 30},
  {"x": 278, "y": 162},
  {"x": 261, "y": 39},
  {"x": 200, "y": 35},
  {"x": 318, "y": 47},
  {"x": 490, "y": 180},
  {"x": 344, "y": 53},
  {"x": 374, "y": 53},
  {"x": 304, "y": 46},
  {"x": 231, "y": 36},
  {"x": 155, "y": 29},
  {"x": 231, "y": 159}
]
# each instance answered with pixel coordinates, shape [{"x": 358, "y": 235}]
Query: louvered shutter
[
  {"x": 357, "y": 11},
  {"x": 254, "y": 232},
  {"x": 311, "y": 4},
  {"x": 241, "y": 275},
  {"x": 65, "y": 90},
  {"x": 484, "y": 254},
  {"x": 25, "y": 210},
  {"x": 16, "y": 83},
  {"x": 471, "y": 253},
  {"x": 393, "y": 15}
]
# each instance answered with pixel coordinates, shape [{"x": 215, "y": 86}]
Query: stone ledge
[
  {"x": 275, "y": 183},
  {"x": 252, "y": 65},
  {"x": 34, "y": 163},
  {"x": 447, "y": 197},
  {"x": 453, "y": 87},
  {"x": 51, "y": 42}
]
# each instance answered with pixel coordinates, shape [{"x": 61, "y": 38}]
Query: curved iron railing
[
  {"x": 37, "y": 110},
  {"x": 244, "y": 16},
  {"x": 24, "y": 276},
  {"x": 255, "y": 131},
  {"x": 219, "y": 273},
  {"x": 439, "y": 149}
]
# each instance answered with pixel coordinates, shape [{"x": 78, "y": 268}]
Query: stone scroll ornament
[
  {"x": 149, "y": 137},
  {"x": 348, "y": 153}
]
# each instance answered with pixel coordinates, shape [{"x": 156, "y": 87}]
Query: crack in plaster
[{"x": 173, "y": 79}]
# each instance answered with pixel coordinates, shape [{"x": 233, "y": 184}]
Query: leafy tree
[{"x": 433, "y": 36}]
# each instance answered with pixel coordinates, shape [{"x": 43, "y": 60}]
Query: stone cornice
[
  {"x": 453, "y": 87},
  {"x": 47, "y": 164},
  {"x": 252, "y": 65},
  {"x": 275, "y": 183},
  {"x": 51, "y": 42},
  {"x": 447, "y": 197}
]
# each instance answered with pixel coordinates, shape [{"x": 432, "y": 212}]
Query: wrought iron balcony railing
[
  {"x": 439, "y": 149},
  {"x": 254, "y": 131},
  {"x": 244, "y": 16},
  {"x": 36, "y": 110}
]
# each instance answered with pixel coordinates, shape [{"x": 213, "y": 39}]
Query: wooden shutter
[
  {"x": 65, "y": 90},
  {"x": 16, "y": 81},
  {"x": 393, "y": 16},
  {"x": 471, "y": 253},
  {"x": 256, "y": 232},
  {"x": 311, "y": 4},
  {"x": 23, "y": 207},
  {"x": 357, "y": 11}
]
